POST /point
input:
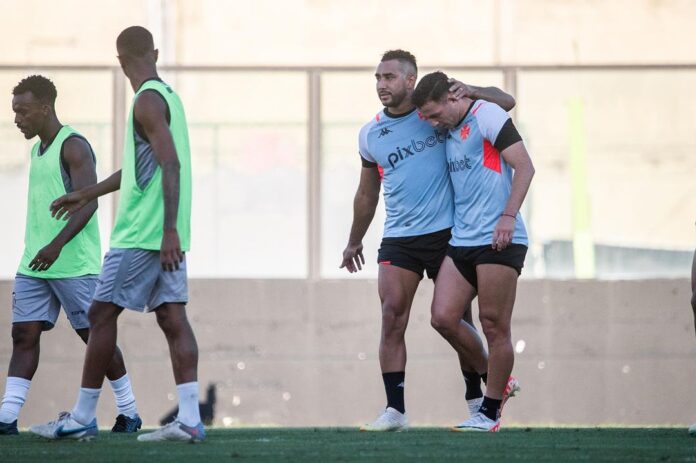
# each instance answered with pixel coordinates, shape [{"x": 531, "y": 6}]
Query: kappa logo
[
  {"x": 416, "y": 146},
  {"x": 385, "y": 131}
]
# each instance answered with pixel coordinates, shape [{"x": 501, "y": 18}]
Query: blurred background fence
[{"x": 275, "y": 163}]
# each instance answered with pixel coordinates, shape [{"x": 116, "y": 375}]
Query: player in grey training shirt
[{"x": 489, "y": 241}]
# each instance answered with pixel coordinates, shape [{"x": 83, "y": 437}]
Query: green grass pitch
[{"x": 347, "y": 445}]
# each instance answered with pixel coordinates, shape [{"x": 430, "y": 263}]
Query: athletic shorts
[
  {"x": 416, "y": 253},
  {"x": 40, "y": 300},
  {"x": 467, "y": 258},
  {"x": 134, "y": 279}
]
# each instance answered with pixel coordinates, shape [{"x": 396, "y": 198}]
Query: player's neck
[
  {"x": 49, "y": 131},
  {"x": 139, "y": 76},
  {"x": 463, "y": 108},
  {"x": 405, "y": 107}
]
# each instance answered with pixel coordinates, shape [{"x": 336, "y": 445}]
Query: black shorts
[
  {"x": 467, "y": 258},
  {"x": 416, "y": 253}
]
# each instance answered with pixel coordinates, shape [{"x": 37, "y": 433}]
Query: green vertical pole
[{"x": 583, "y": 245}]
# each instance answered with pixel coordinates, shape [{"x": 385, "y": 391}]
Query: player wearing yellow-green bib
[
  {"x": 61, "y": 260},
  {"x": 145, "y": 268}
]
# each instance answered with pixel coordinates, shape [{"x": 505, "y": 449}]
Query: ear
[
  {"x": 411, "y": 81},
  {"x": 156, "y": 54},
  {"x": 451, "y": 98}
]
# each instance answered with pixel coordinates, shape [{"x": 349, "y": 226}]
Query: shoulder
[
  {"x": 76, "y": 149},
  {"x": 486, "y": 112},
  {"x": 369, "y": 127},
  {"x": 150, "y": 107},
  {"x": 150, "y": 99},
  {"x": 372, "y": 123},
  {"x": 490, "y": 118},
  {"x": 76, "y": 143}
]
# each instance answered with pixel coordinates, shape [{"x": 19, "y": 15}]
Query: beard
[{"x": 395, "y": 99}]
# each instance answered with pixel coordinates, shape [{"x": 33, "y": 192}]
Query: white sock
[
  {"x": 125, "y": 400},
  {"x": 86, "y": 406},
  {"x": 15, "y": 395},
  {"x": 189, "y": 413}
]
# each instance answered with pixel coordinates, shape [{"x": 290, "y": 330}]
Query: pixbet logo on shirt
[
  {"x": 458, "y": 165},
  {"x": 416, "y": 146}
]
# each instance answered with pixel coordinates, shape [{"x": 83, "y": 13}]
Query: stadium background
[{"x": 275, "y": 94}]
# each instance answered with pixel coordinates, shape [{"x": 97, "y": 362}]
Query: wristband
[{"x": 509, "y": 215}]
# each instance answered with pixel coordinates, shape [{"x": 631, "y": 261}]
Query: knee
[
  {"x": 96, "y": 318},
  {"x": 495, "y": 328},
  {"x": 100, "y": 316},
  {"x": 444, "y": 323},
  {"x": 169, "y": 322},
  {"x": 394, "y": 317},
  {"x": 24, "y": 337}
]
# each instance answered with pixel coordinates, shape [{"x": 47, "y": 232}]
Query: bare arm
[
  {"x": 492, "y": 94},
  {"x": 364, "y": 206},
  {"x": 516, "y": 155},
  {"x": 82, "y": 170},
  {"x": 69, "y": 204},
  {"x": 150, "y": 111}
]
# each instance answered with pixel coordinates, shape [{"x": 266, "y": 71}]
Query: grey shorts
[
  {"x": 40, "y": 299},
  {"x": 134, "y": 279}
]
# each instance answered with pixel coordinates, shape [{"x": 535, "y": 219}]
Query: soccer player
[
  {"x": 410, "y": 155},
  {"x": 145, "y": 269},
  {"x": 61, "y": 261},
  {"x": 489, "y": 240}
]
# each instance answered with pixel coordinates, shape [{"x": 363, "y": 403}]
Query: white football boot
[
  {"x": 390, "y": 420},
  {"x": 66, "y": 427},
  {"x": 175, "y": 431},
  {"x": 478, "y": 422}
]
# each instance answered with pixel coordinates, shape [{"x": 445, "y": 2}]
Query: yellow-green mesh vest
[
  {"x": 140, "y": 218},
  {"x": 82, "y": 254}
]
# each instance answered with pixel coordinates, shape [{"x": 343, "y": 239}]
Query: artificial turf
[{"x": 346, "y": 445}]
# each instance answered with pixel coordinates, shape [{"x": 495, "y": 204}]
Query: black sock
[
  {"x": 473, "y": 385},
  {"x": 394, "y": 387},
  {"x": 484, "y": 377},
  {"x": 490, "y": 407}
]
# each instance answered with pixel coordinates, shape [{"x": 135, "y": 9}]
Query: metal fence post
[{"x": 314, "y": 175}]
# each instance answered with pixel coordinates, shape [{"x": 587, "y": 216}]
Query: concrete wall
[{"x": 297, "y": 353}]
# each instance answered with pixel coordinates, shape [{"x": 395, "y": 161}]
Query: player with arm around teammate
[
  {"x": 61, "y": 260},
  {"x": 418, "y": 201},
  {"x": 490, "y": 171}
]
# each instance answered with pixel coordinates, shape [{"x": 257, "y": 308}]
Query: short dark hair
[
  {"x": 135, "y": 41},
  {"x": 41, "y": 87},
  {"x": 432, "y": 87},
  {"x": 404, "y": 57}
]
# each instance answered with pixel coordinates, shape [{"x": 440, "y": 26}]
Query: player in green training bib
[
  {"x": 145, "y": 268},
  {"x": 61, "y": 260}
]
